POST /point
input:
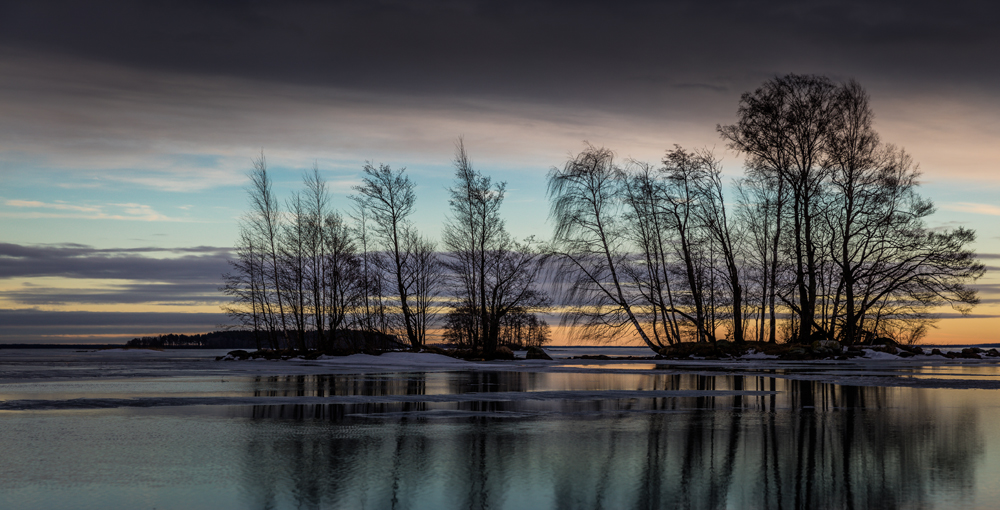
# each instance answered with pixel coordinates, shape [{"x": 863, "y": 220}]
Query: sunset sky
[{"x": 126, "y": 130}]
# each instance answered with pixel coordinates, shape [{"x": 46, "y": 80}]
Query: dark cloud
[
  {"x": 547, "y": 50},
  {"x": 34, "y": 326},
  {"x": 957, "y": 315},
  {"x": 186, "y": 276},
  {"x": 196, "y": 264},
  {"x": 169, "y": 293},
  {"x": 38, "y": 318}
]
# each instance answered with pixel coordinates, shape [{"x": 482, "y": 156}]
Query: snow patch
[
  {"x": 753, "y": 354},
  {"x": 870, "y": 354},
  {"x": 393, "y": 359}
]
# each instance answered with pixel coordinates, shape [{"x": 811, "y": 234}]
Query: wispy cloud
[
  {"x": 970, "y": 207},
  {"x": 58, "y": 205},
  {"x": 114, "y": 211}
]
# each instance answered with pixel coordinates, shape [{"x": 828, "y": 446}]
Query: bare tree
[
  {"x": 264, "y": 221},
  {"x": 426, "y": 271},
  {"x": 860, "y": 253},
  {"x": 724, "y": 232},
  {"x": 344, "y": 285},
  {"x": 782, "y": 129},
  {"x": 292, "y": 248},
  {"x": 372, "y": 312},
  {"x": 472, "y": 230},
  {"x": 244, "y": 286},
  {"x": 685, "y": 173},
  {"x": 761, "y": 209},
  {"x": 317, "y": 200},
  {"x": 388, "y": 197},
  {"x": 492, "y": 274},
  {"x": 648, "y": 221},
  {"x": 590, "y": 244}
]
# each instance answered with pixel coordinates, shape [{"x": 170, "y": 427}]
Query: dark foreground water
[{"x": 560, "y": 436}]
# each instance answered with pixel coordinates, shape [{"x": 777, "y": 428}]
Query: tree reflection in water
[{"x": 810, "y": 445}]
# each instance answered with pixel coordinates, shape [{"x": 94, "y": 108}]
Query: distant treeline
[
  {"x": 60, "y": 346},
  {"x": 242, "y": 339},
  {"x": 213, "y": 340}
]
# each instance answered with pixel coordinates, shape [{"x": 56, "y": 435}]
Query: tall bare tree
[
  {"x": 590, "y": 245},
  {"x": 492, "y": 274},
  {"x": 265, "y": 222},
  {"x": 317, "y": 199},
  {"x": 389, "y": 198},
  {"x": 292, "y": 248},
  {"x": 860, "y": 252},
  {"x": 244, "y": 285},
  {"x": 724, "y": 232}
]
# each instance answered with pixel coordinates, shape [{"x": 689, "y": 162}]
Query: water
[{"x": 620, "y": 435}]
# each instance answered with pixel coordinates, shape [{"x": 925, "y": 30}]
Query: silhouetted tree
[
  {"x": 492, "y": 274},
  {"x": 388, "y": 197},
  {"x": 862, "y": 258},
  {"x": 590, "y": 244}
]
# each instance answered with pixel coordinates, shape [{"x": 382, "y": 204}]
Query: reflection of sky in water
[{"x": 513, "y": 440}]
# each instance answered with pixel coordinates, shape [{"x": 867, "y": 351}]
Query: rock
[
  {"x": 971, "y": 353},
  {"x": 906, "y": 354},
  {"x": 239, "y": 354},
  {"x": 503, "y": 352},
  {"x": 993, "y": 352},
  {"x": 827, "y": 345},
  {"x": 536, "y": 353},
  {"x": 887, "y": 348},
  {"x": 936, "y": 352}
]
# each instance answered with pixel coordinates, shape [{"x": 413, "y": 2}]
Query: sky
[{"x": 127, "y": 128}]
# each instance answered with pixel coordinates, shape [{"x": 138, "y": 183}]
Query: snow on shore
[{"x": 392, "y": 359}]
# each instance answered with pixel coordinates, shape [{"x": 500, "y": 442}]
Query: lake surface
[{"x": 176, "y": 430}]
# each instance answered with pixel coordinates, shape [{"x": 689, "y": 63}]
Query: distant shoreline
[
  {"x": 188, "y": 347},
  {"x": 99, "y": 346}
]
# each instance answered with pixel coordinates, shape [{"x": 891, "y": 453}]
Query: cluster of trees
[
  {"x": 305, "y": 273},
  {"x": 822, "y": 238}
]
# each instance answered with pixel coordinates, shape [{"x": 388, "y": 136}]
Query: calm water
[{"x": 639, "y": 437}]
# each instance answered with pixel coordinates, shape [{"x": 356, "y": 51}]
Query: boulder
[
  {"x": 536, "y": 353},
  {"x": 239, "y": 354},
  {"x": 503, "y": 352},
  {"x": 971, "y": 353},
  {"x": 827, "y": 346},
  {"x": 887, "y": 348}
]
